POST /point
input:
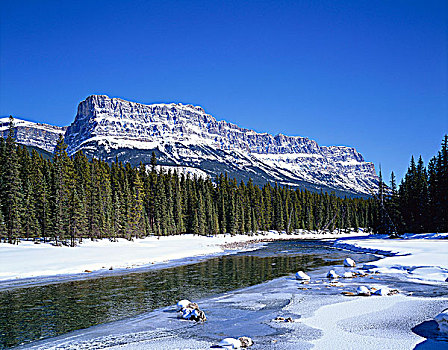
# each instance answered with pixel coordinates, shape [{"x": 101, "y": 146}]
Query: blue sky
[{"x": 369, "y": 74}]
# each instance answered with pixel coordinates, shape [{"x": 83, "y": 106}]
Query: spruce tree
[
  {"x": 11, "y": 187},
  {"x": 442, "y": 184},
  {"x": 63, "y": 184},
  {"x": 393, "y": 205},
  {"x": 153, "y": 161},
  {"x": 30, "y": 226},
  {"x": 137, "y": 219}
]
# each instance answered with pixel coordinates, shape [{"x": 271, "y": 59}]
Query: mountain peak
[
  {"x": 39, "y": 135},
  {"x": 185, "y": 135}
]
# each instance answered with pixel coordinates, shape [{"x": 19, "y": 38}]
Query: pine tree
[
  {"x": 383, "y": 225},
  {"x": 267, "y": 199},
  {"x": 153, "y": 162},
  {"x": 117, "y": 217},
  {"x": 421, "y": 197},
  {"x": 177, "y": 209},
  {"x": 278, "y": 210},
  {"x": 137, "y": 226},
  {"x": 442, "y": 186},
  {"x": 393, "y": 205},
  {"x": 200, "y": 213},
  {"x": 63, "y": 184},
  {"x": 94, "y": 214},
  {"x": 78, "y": 218},
  {"x": 30, "y": 226},
  {"x": 11, "y": 187}
]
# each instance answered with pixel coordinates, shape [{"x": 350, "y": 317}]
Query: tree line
[
  {"x": 420, "y": 203},
  {"x": 66, "y": 199}
]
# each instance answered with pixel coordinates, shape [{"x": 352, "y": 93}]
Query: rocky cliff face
[
  {"x": 186, "y": 136},
  {"x": 39, "y": 135}
]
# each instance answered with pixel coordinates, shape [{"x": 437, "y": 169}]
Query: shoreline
[
  {"x": 323, "y": 317},
  {"x": 29, "y": 263},
  {"x": 419, "y": 258}
]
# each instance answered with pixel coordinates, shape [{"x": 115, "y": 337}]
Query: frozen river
[{"x": 242, "y": 294}]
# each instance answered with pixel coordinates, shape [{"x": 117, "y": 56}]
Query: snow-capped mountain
[
  {"x": 186, "y": 136},
  {"x": 39, "y": 135}
]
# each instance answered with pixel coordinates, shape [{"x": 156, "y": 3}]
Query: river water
[{"x": 43, "y": 311}]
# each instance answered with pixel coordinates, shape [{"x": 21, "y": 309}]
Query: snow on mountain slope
[
  {"x": 40, "y": 135},
  {"x": 186, "y": 136}
]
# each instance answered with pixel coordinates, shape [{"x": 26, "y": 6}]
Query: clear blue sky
[{"x": 369, "y": 74}]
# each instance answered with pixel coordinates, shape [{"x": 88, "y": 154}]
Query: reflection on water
[{"x": 38, "y": 312}]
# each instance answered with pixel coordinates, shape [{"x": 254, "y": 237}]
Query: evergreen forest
[
  {"x": 66, "y": 199},
  {"x": 420, "y": 203}
]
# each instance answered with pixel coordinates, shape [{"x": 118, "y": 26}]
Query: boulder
[
  {"x": 348, "y": 262},
  {"x": 300, "y": 275},
  {"x": 186, "y": 313},
  {"x": 382, "y": 292},
  {"x": 198, "y": 315},
  {"x": 191, "y": 311},
  {"x": 363, "y": 290},
  {"x": 332, "y": 274},
  {"x": 349, "y": 294},
  {"x": 348, "y": 274},
  {"x": 230, "y": 343},
  {"x": 182, "y": 304},
  {"x": 442, "y": 321},
  {"x": 193, "y": 306},
  {"x": 245, "y": 342}
]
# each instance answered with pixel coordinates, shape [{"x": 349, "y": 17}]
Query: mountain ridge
[{"x": 185, "y": 135}]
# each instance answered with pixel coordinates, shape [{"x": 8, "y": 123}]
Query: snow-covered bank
[
  {"x": 322, "y": 319},
  {"x": 37, "y": 260},
  {"x": 423, "y": 258}
]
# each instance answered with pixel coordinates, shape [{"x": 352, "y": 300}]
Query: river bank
[
  {"x": 323, "y": 317},
  {"x": 30, "y": 260},
  {"x": 418, "y": 257}
]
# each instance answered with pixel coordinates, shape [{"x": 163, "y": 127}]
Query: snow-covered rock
[
  {"x": 442, "y": 321},
  {"x": 186, "y": 136},
  {"x": 191, "y": 311},
  {"x": 300, "y": 275},
  {"x": 198, "y": 315},
  {"x": 348, "y": 274},
  {"x": 363, "y": 290},
  {"x": 245, "y": 342},
  {"x": 28, "y": 133},
  {"x": 182, "y": 304},
  {"x": 186, "y": 313},
  {"x": 348, "y": 262},
  {"x": 230, "y": 343},
  {"x": 382, "y": 291},
  {"x": 332, "y": 274}
]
